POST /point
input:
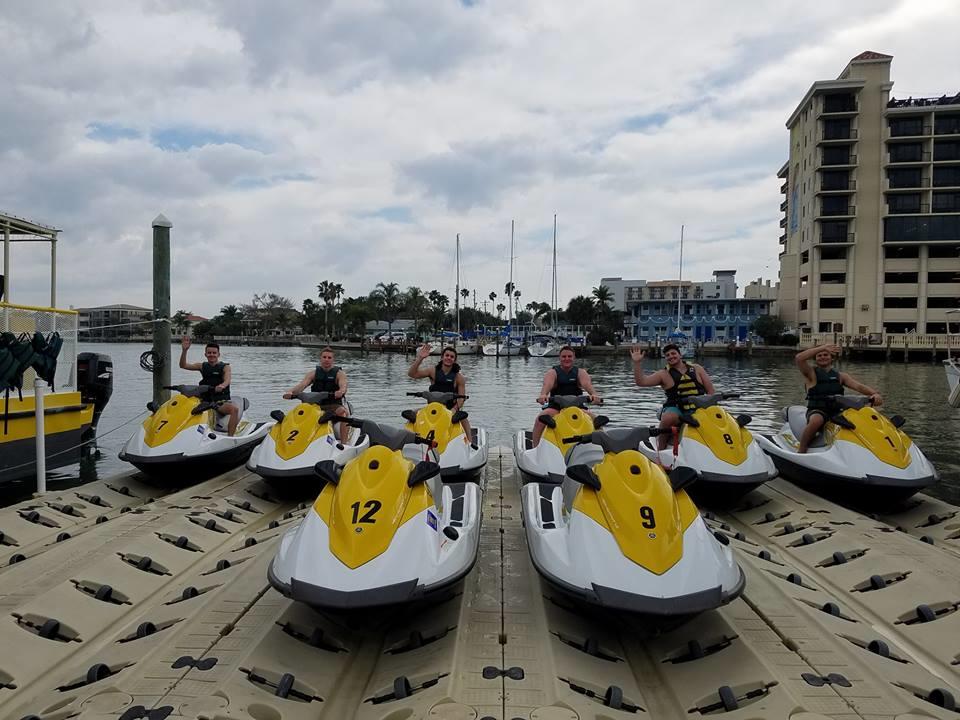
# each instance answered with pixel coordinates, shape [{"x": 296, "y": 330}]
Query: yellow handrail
[{"x": 37, "y": 308}]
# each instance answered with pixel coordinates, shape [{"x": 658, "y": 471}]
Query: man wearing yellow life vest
[{"x": 678, "y": 379}]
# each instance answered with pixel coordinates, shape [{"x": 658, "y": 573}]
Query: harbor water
[{"x": 503, "y": 395}]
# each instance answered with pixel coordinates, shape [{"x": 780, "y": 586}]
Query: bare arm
[
  {"x": 653, "y": 379},
  {"x": 227, "y": 374},
  {"x": 587, "y": 384},
  {"x": 415, "y": 370},
  {"x": 802, "y": 358},
  {"x": 299, "y": 387},
  {"x": 460, "y": 385},
  {"x": 705, "y": 380},
  {"x": 341, "y": 385},
  {"x": 184, "y": 365},
  {"x": 549, "y": 381},
  {"x": 853, "y": 384}
]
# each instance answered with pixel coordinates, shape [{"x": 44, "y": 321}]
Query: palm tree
[
  {"x": 439, "y": 303},
  {"x": 516, "y": 302},
  {"x": 328, "y": 292},
  {"x": 181, "y": 321},
  {"x": 602, "y": 298},
  {"x": 500, "y": 308},
  {"x": 415, "y": 303},
  {"x": 388, "y": 300}
]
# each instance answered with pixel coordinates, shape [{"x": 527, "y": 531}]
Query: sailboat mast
[
  {"x": 456, "y": 299},
  {"x": 553, "y": 289},
  {"x": 510, "y": 294},
  {"x": 680, "y": 283}
]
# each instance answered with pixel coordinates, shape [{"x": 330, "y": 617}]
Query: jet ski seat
[
  {"x": 796, "y": 415},
  {"x": 390, "y": 437},
  {"x": 588, "y": 454},
  {"x": 224, "y": 420}
]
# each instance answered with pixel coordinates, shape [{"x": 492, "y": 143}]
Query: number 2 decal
[
  {"x": 292, "y": 435},
  {"x": 372, "y": 508},
  {"x": 646, "y": 514}
]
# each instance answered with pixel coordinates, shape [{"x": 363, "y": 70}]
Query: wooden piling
[{"x": 161, "y": 308}]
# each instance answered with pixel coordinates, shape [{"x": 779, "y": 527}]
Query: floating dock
[{"x": 120, "y": 603}]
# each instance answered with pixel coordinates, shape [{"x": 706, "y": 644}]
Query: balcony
[
  {"x": 837, "y": 109},
  {"x": 783, "y": 206},
  {"x": 915, "y": 209},
  {"x": 913, "y": 159},
  {"x": 909, "y": 130},
  {"x": 947, "y": 125},
  {"x": 783, "y": 239},
  {"x": 783, "y": 222},
  {"x": 784, "y": 188},
  {"x": 924, "y": 182},
  {"x": 845, "y": 239},
  {"x": 848, "y": 161},
  {"x": 825, "y": 137},
  {"x": 826, "y": 186},
  {"x": 848, "y": 211}
]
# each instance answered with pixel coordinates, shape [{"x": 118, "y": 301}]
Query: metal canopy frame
[{"x": 18, "y": 229}]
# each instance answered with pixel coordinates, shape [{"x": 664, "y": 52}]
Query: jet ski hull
[{"x": 184, "y": 468}]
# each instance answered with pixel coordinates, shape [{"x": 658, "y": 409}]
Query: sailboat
[
  {"x": 678, "y": 337},
  {"x": 547, "y": 344},
  {"x": 464, "y": 347},
  {"x": 507, "y": 345}
]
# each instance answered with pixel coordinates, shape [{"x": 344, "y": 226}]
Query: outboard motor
[{"x": 95, "y": 382}]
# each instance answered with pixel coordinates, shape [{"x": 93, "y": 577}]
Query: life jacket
[
  {"x": 684, "y": 385},
  {"x": 212, "y": 375},
  {"x": 568, "y": 382},
  {"x": 325, "y": 380},
  {"x": 445, "y": 382},
  {"x": 828, "y": 383}
]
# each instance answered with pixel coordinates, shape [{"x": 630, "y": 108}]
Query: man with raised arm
[
  {"x": 445, "y": 377},
  {"x": 216, "y": 374}
]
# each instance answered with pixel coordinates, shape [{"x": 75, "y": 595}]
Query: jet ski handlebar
[
  {"x": 315, "y": 398},
  {"x": 846, "y": 402},
  {"x": 619, "y": 439},
  {"x": 386, "y": 435}
]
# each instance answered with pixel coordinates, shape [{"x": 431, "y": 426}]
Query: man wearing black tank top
[
  {"x": 326, "y": 377},
  {"x": 216, "y": 374},
  {"x": 563, "y": 379}
]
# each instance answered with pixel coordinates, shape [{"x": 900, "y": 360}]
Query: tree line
[{"x": 334, "y": 315}]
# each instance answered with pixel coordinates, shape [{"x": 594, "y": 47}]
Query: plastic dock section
[{"x": 120, "y": 603}]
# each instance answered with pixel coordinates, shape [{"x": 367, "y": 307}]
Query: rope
[
  {"x": 80, "y": 445},
  {"x": 116, "y": 325},
  {"x": 151, "y": 361}
]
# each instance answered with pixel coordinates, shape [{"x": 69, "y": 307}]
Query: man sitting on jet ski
[
  {"x": 823, "y": 381},
  {"x": 326, "y": 377},
  {"x": 216, "y": 374},
  {"x": 678, "y": 379},
  {"x": 563, "y": 379},
  {"x": 447, "y": 378}
]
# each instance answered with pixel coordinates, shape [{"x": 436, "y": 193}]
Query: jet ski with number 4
[
  {"x": 547, "y": 461},
  {"x": 727, "y": 458},
  {"x": 861, "y": 454},
  {"x": 185, "y": 439},
  {"x": 461, "y": 458},
  {"x": 620, "y": 533},
  {"x": 384, "y": 531}
]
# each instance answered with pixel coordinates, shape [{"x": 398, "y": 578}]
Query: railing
[
  {"x": 909, "y": 131},
  {"x": 832, "y": 239},
  {"x": 912, "y": 102},
  {"x": 897, "y": 341},
  {"x": 837, "y": 187},
  {"x": 849, "y": 160},
  {"x": 25, "y": 319},
  {"x": 851, "y": 134},
  {"x": 848, "y": 210},
  {"x": 924, "y": 156},
  {"x": 919, "y": 209},
  {"x": 924, "y": 183}
]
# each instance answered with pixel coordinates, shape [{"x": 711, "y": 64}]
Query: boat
[
  {"x": 951, "y": 365},
  {"x": 548, "y": 344},
  {"x": 678, "y": 337},
  {"x": 508, "y": 345},
  {"x": 861, "y": 455},
  {"x": 42, "y": 342}
]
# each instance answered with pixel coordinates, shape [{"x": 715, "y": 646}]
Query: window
[
  {"x": 946, "y": 125},
  {"x": 921, "y": 228},
  {"x": 833, "y": 278},
  {"x": 804, "y": 257},
  {"x": 836, "y": 155},
  {"x": 898, "y": 203},
  {"x": 833, "y": 253},
  {"x": 899, "y": 327},
  {"x": 900, "y": 127},
  {"x": 833, "y": 232},
  {"x": 946, "y": 202},
  {"x": 839, "y": 102},
  {"x": 834, "y": 205},
  {"x": 943, "y": 251},
  {"x": 837, "y": 129},
  {"x": 901, "y": 251},
  {"x": 835, "y": 180},
  {"x": 899, "y": 302},
  {"x": 904, "y": 177},
  {"x": 946, "y": 176},
  {"x": 825, "y": 327},
  {"x": 950, "y": 276},
  {"x": 832, "y": 302},
  {"x": 803, "y": 304},
  {"x": 946, "y": 150},
  {"x": 803, "y": 281},
  {"x": 901, "y": 277},
  {"x": 937, "y": 328},
  {"x": 941, "y": 303},
  {"x": 906, "y": 152}
]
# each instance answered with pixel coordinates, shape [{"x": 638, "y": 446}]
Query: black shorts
[{"x": 824, "y": 412}]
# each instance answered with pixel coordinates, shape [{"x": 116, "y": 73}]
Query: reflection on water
[{"x": 503, "y": 392}]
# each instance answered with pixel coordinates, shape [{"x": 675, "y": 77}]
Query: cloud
[{"x": 352, "y": 140}]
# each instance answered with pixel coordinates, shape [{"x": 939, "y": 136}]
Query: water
[{"x": 503, "y": 392}]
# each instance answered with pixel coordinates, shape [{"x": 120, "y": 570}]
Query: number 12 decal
[{"x": 372, "y": 507}]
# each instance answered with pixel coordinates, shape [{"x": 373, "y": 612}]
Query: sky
[{"x": 298, "y": 141}]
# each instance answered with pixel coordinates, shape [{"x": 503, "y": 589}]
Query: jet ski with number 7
[
  {"x": 186, "y": 439},
  {"x": 384, "y": 531},
  {"x": 621, "y": 534},
  {"x": 860, "y": 454}
]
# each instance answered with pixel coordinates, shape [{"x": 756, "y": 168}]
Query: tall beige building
[{"x": 871, "y": 224}]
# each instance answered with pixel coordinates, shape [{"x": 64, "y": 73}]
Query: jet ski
[
  {"x": 185, "y": 437},
  {"x": 384, "y": 531},
  {"x": 299, "y": 440},
  {"x": 437, "y": 421},
  {"x": 728, "y": 461},
  {"x": 546, "y": 461},
  {"x": 861, "y": 454},
  {"x": 619, "y": 533}
]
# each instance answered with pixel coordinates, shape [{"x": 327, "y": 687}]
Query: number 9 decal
[{"x": 646, "y": 514}]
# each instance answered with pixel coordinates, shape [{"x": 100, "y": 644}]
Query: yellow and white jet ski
[
  {"x": 620, "y": 534},
  {"x": 184, "y": 439},
  {"x": 727, "y": 458},
  {"x": 459, "y": 460},
  {"x": 547, "y": 461},
  {"x": 384, "y": 531},
  {"x": 861, "y": 454},
  {"x": 300, "y": 439}
]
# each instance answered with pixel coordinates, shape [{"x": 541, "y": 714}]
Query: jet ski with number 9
[
  {"x": 619, "y": 533},
  {"x": 385, "y": 529}
]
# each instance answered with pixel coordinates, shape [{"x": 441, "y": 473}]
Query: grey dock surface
[{"x": 125, "y": 603}]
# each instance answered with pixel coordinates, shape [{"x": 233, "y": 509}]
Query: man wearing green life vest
[
  {"x": 217, "y": 375},
  {"x": 678, "y": 379},
  {"x": 823, "y": 381},
  {"x": 330, "y": 378}
]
